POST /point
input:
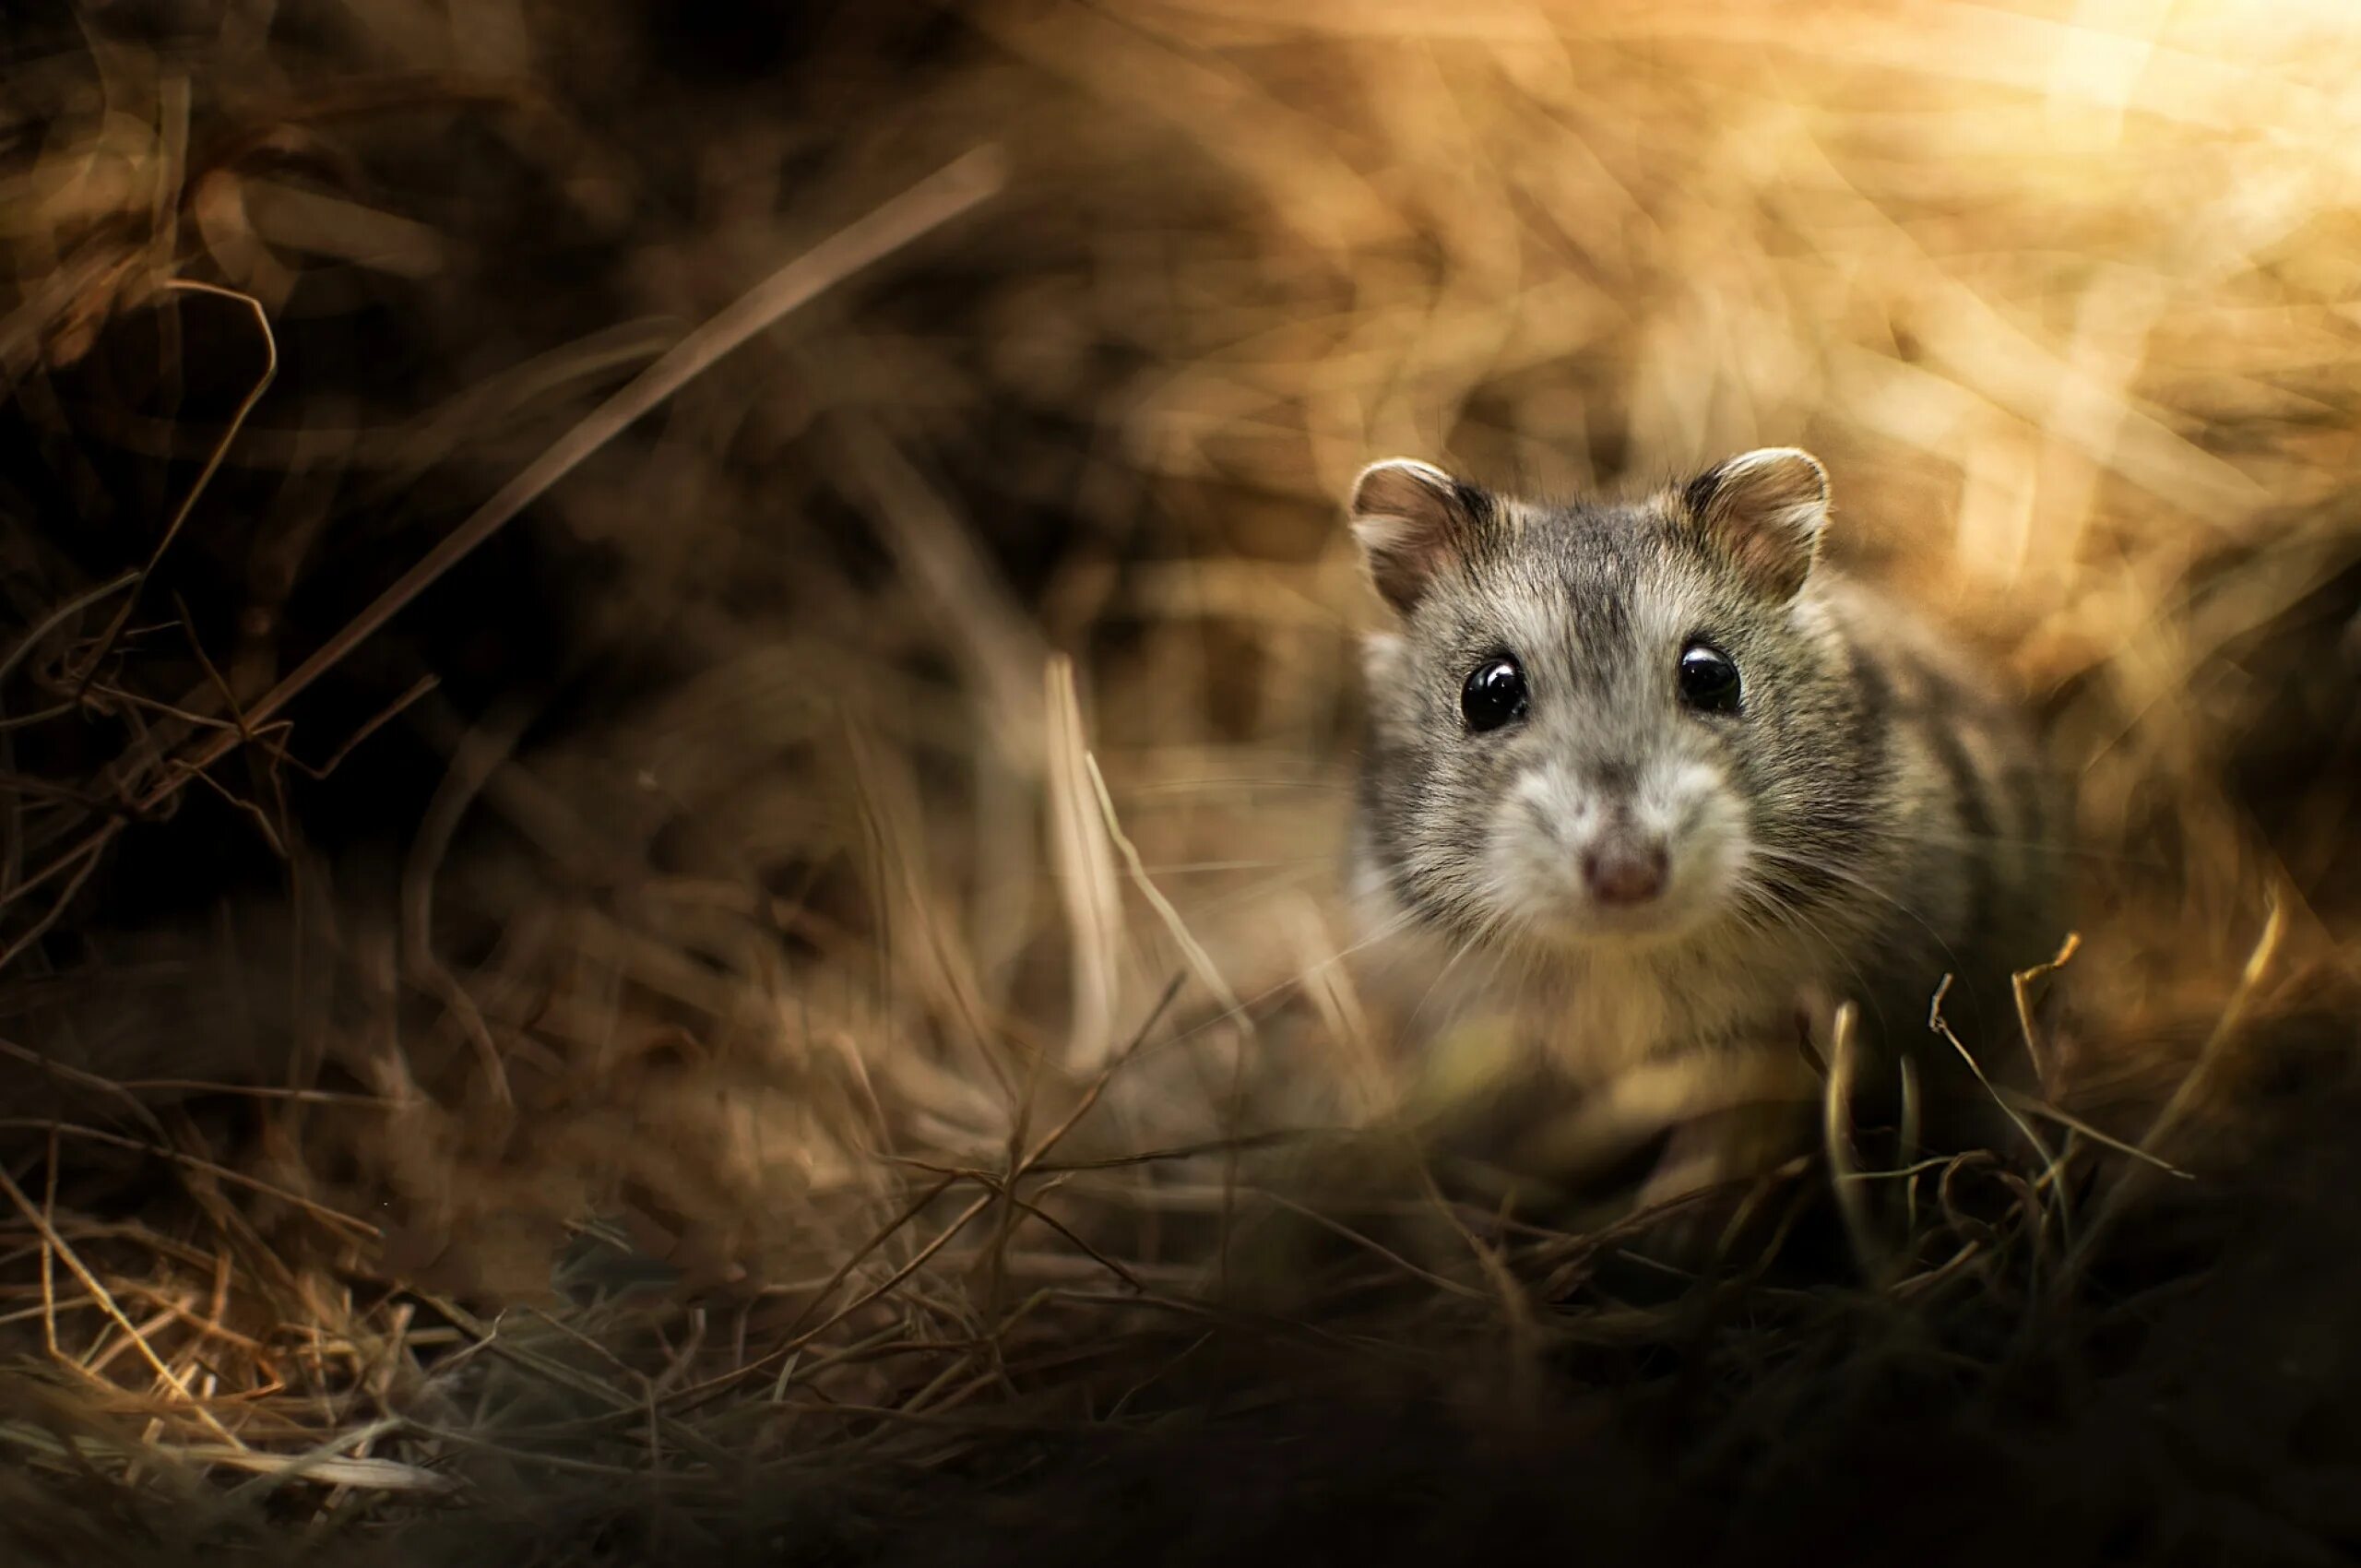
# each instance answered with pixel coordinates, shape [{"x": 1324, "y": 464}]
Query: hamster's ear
[
  {"x": 1765, "y": 511},
  {"x": 1413, "y": 521}
]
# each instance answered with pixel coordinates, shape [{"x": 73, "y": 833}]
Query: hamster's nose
[{"x": 1623, "y": 872}]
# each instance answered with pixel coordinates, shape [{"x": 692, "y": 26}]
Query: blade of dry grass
[{"x": 1085, "y": 860}]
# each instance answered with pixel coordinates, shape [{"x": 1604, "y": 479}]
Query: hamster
[{"x": 1652, "y": 782}]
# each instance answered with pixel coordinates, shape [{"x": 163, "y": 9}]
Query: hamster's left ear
[
  {"x": 1415, "y": 522},
  {"x": 1764, "y": 511}
]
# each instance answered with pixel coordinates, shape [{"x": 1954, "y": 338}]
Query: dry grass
[{"x": 635, "y": 923}]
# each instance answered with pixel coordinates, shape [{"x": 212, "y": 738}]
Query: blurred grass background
[{"x": 692, "y": 1075}]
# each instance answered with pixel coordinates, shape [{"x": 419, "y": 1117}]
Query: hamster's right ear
[
  {"x": 1414, "y": 520},
  {"x": 1764, "y": 511}
]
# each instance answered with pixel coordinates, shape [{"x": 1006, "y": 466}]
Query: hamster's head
[{"x": 1596, "y": 723}]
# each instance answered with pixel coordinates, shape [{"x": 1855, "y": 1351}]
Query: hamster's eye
[
  {"x": 1494, "y": 693},
  {"x": 1708, "y": 680}
]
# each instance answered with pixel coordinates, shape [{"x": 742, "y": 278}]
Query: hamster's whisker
[
  {"x": 1199, "y": 868},
  {"x": 1495, "y": 930},
  {"x": 1795, "y": 920},
  {"x": 1826, "y": 868},
  {"x": 1260, "y": 887},
  {"x": 1213, "y": 786},
  {"x": 2034, "y": 845},
  {"x": 1385, "y": 930},
  {"x": 1466, "y": 946}
]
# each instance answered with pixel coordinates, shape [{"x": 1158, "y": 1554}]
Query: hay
[{"x": 637, "y": 926}]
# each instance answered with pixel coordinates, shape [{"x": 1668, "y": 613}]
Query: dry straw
[{"x": 934, "y": 985}]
